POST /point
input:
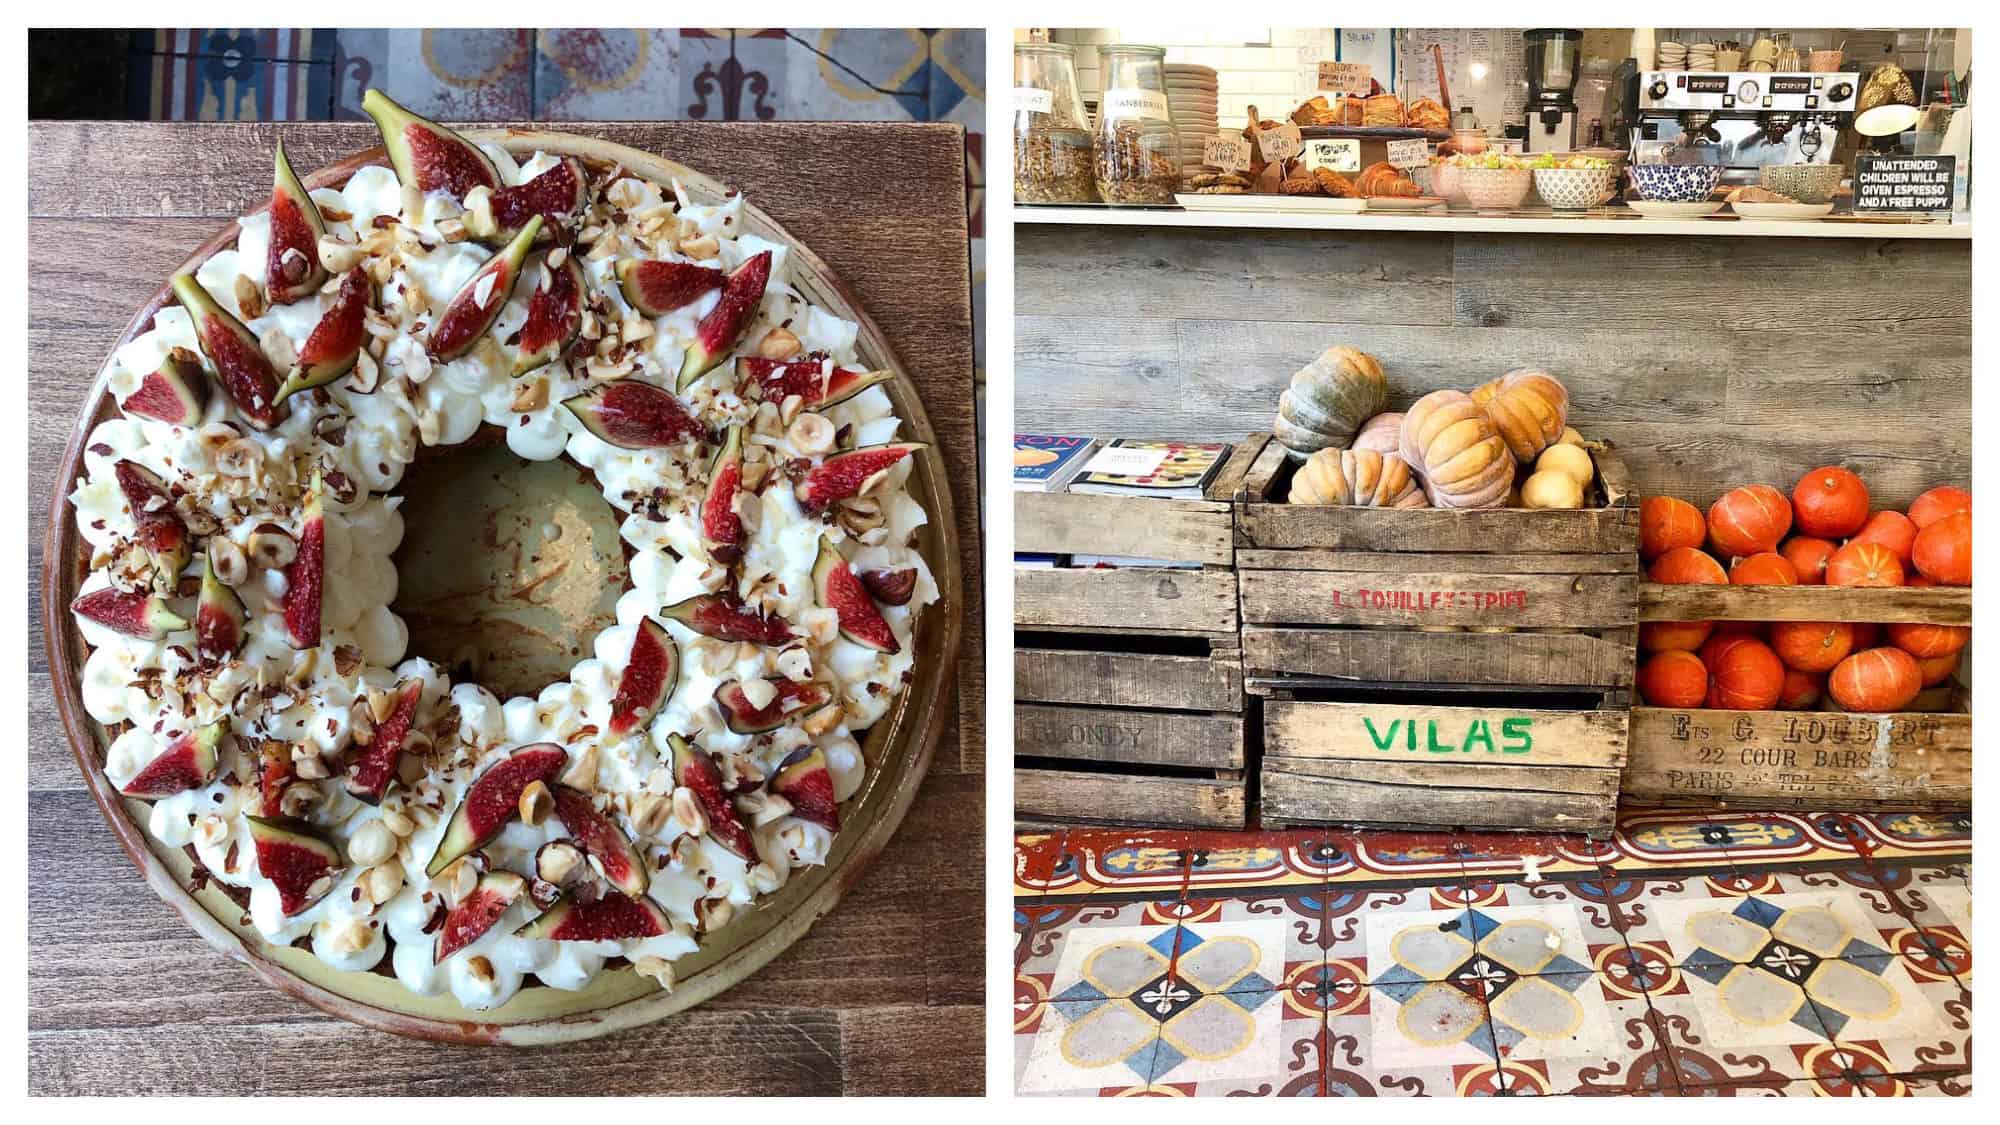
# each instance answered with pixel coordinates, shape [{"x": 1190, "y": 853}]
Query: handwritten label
[
  {"x": 1430, "y": 601},
  {"x": 1413, "y": 153},
  {"x": 1904, "y": 183},
  {"x": 1346, "y": 78},
  {"x": 1027, "y": 99},
  {"x": 1513, "y": 734},
  {"x": 1281, "y": 143},
  {"x": 1226, "y": 151},
  {"x": 1126, "y": 461},
  {"x": 1133, "y": 102},
  {"x": 1342, "y": 155}
]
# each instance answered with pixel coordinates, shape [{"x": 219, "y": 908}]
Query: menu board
[{"x": 1500, "y": 96}]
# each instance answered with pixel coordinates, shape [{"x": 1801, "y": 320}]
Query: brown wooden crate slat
[
  {"x": 1479, "y": 616},
  {"x": 1128, "y": 681},
  {"x": 1918, "y": 759}
]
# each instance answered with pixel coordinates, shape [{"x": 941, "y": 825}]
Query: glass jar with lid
[
  {"x": 1052, "y": 150},
  {"x": 1138, "y": 152}
]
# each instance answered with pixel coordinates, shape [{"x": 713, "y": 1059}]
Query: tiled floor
[{"x": 1768, "y": 955}]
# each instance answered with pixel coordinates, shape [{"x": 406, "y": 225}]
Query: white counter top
[{"x": 1602, "y": 221}]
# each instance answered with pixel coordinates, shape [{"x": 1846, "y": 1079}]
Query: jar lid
[
  {"x": 1130, "y": 48},
  {"x": 1044, "y": 49}
]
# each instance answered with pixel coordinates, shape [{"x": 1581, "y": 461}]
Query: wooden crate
[
  {"x": 1128, "y": 682},
  {"x": 1915, "y": 760},
  {"x": 1351, "y": 620}
]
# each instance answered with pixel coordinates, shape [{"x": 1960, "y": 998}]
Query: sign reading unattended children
[{"x": 1903, "y": 184}]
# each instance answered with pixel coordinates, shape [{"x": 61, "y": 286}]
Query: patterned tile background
[{"x": 616, "y": 74}]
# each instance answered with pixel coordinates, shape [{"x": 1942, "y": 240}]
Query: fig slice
[
  {"x": 291, "y": 266},
  {"x": 218, "y": 619},
  {"x": 134, "y": 613},
  {"x": 478, "y": 302},
  {"x": 844, "y": 476},
  {"x": 697, "y": 771},
  {"x": 648, "y": 680},
  {"x": 716, "y": 335},
  {"x": 557, "y": 196},
  {"x": 804, "y": 780},
  {"x": 374, "y": 767},
  {"x": 275, "y": 772},
  {"x": 240, "y": 364},
  {"x": 602, "y": 839},
  {"x": 187, "y": 763},
  {"x": 493, "y": 799},
  {"x": 614, "y": 917},
  {"x": 726, "y": 618},
  {"x": 175, "y": 393},
  {"x": 161, "y": 532},
  {"x": 838, "y": 588},
  {"x": 890, "y": 587},
  {"x": 477, "y": 912},
  {"x": 336, "y": 340},
  {"x": 298, "y": 863},
  {"x": 658, "y": 288},
  {"x": 633, "y": 415},
  {"x": 555, "y": 315},
  {"x": 427, "y": 154},
  {"x": 721, "y": 526},
  {"x": 807, "y": 377},
  {"x": 793, "y": 700},
  {"x": 305, "y": 578}
]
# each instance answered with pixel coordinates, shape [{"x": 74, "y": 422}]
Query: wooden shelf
[{"x": 1602, "y": 221}]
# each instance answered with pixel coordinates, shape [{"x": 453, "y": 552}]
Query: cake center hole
[{"x": 509, "y": 568}]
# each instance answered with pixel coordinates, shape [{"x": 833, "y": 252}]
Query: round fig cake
[{"x": 242, "y": 519}]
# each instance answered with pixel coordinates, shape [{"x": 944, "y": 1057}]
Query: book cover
[
  {"x": 1163, "y": 468},
  {"x": 1043, "y": 462}
]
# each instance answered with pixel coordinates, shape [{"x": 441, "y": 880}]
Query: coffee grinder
[{"x": 1552, "y": 55}]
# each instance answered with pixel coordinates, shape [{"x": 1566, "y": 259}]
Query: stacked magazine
[{"x": 1125, "y": 467}]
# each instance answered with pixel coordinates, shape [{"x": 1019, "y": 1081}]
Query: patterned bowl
[
  {"x": 1446, "y": 183},
  {"x": 1495, "y": 189},
  {"x": 1807, "y": 183},
  {"x": 1675, "y": 183},
  {"x": 1575, "y": 189}
]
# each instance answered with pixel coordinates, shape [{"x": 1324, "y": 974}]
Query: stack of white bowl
[
  {"x": 1701, "y": 57},
  {"x": 1191, "y": 96},
  {"x": 1670, "y": 55}
]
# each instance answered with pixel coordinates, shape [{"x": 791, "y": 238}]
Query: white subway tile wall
[{"x": 1270, "y": 68}]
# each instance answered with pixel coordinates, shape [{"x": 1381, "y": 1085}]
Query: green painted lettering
[
  {"x": 1480, "y": 733},
  {"x": 1520, "y": 735},
  {"x": 1435, "y": 746},
  {"x": 1382, "y": 741}
]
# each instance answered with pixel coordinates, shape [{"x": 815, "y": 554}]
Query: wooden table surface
[{"x": 882, "y": 996}]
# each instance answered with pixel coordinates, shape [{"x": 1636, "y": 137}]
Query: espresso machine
[
  {"x": 1551, "y": 56},
  {"x": 1742, "y": 121}
]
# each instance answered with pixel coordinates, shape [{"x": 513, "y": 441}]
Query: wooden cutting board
[{"x": 114, "y": 206}]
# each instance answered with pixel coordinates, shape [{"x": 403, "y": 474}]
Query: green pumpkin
[{"x": 1328, "y": 400}]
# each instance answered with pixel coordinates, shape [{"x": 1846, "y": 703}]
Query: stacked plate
[
  {"x": 1191, "y": 94},
  {"x": 1670, "y": 55},
  {"x": 1701, "y": 57}
]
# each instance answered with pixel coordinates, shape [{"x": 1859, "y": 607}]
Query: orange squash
[
  {"x": 1743, "y": 674},
  {"x": 1748, "y": 520},
  {"x": 1673, "y": 636},
  {"x": 1449, "y": 440},
  {"x": 1674, "y": 679},
  {"x": 1830, "y": 502},
  {"x": 1867, "y": 635},
  {"x": 1765, "y": 568},
  {"x": 1938, "y": 503},
  {"x": 1666, "y": 522},
  {"x": 1681, "y": 566},
  {"x": 1943, "y": 551},
  {"x": 1529, "y": 408},
  {"x": 1812, "y": 646},
  {"x": 1808, "y": 556},
  {"x": 1864, "y": 564},
  {"x": 1923, "y": 641},
  {"x": 1934, "y": 670},
  {"x": 1878, "y": 680},
  {"x": 1802, "y": 690},
  {"x": 1890, "y": 529}
]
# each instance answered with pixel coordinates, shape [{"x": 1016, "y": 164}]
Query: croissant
[
  {"x": 1426, "y": 113},
  {"x": 1383, "y": 178},
  {"x": 1751, "y": 193}
]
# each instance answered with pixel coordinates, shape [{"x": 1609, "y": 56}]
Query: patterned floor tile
[
  {"x": 1035, "y": 857},
  {"x": 1219, "y": 861},
  {"x": 1079, "y": 1048},
  {"x": 1589, "y": 905},
  {"x": 1114, "y": 861},
  {"x": 461, "y": 74},
  {"x": 1913, "y": 836},
  {"x": 1088, "y": 950},
  {"x": 1926, "y": 1027},
  {"x": 608, "y": 74},
  {"x": 1507, "y": 856}
]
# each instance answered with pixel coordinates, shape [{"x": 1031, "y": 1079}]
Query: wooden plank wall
[{"x": 1711, "y": 362}]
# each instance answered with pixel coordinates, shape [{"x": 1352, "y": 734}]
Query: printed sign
[
  {"x": 1458, "y": 734},
  {"x": 1900, "y": 184},
  {"x": 1432, "y": 601},
  {"x": 1131, "y": 101},
  {"x": 1281, "y": 143},
  {"x": 1342, "y": 155},
  {"x": 1346, "y": 78},
  {"x": 1027, "y": 99},
  {"x": 1413, "y": 153},
  {"x": 1227, "y": 151}
]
